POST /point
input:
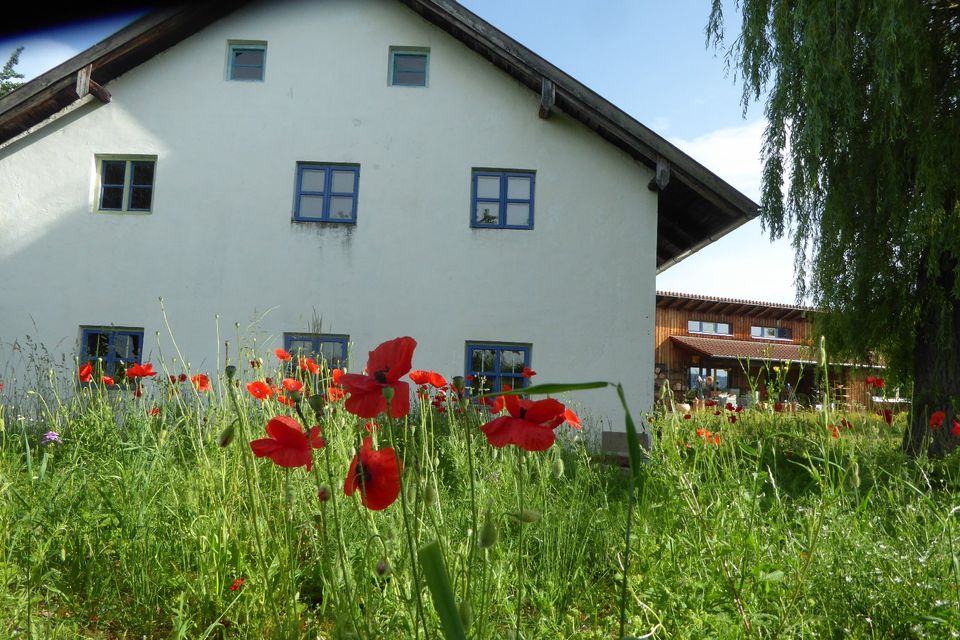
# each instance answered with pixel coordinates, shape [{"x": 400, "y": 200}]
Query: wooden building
[{"x": 751, "y": 351}]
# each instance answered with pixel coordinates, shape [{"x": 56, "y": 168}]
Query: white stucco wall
[{"x": 220, "y": 239}]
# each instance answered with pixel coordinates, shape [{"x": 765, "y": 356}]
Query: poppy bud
[
  {"x": 430, "y": 495},
  {"x": 230, "y": 371},
  {"x": 227, "y": 436},
  {"x": 387, "y": 393},
  {"x": 324, "y": 493},
  {"x": 527, "y": 516},
  {"x": 466, "y": 614},
  {"x": 458, "y": 383},
  {"x": 317, "y": 403},
  {"x": 558, "y": 467},
  {"x": 382, "y": 567},
  {"x": 488, "y": 533}
]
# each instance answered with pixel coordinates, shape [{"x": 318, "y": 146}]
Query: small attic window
[
  {"x": 246, "y": 61},
  {"x": 409, "y": 67}
]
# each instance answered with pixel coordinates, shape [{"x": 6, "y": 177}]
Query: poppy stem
[
  {"x": 520, "y": 470},
  {"x": 341, "y": 546}
]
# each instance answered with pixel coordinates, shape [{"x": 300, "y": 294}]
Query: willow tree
[{"x": 861, "y": 166}]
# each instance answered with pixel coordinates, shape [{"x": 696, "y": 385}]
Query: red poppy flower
[
  {"x": 107, "y": 380},
  {"x": 778, "y": 407},
  {"x": 845, "y": 424},
  {"x": 285, "y": 400},
  {"x": 371, "y": 426},
  {"x": 710, "y": 403},
  {"x": 572, "y": 419},
  {"x": 309, "y": 364},
  {"x": 291, "y": 384},
  {"x": 887, "y": 416},
  {"x": 386, "y": 364},
  {"x": 201, "y": 382},
  {"x": 686, "y": 416},
  {"x": 237, "y": 584},
  {"x": 428, "y": 377},
  {"x": 834, "y": 431},
  {"x": 701, "y": 432},
  {"x": 155, "y": 411},
  {"x": 529, "y": 426},
  {"x": 955, "y": 430},
  {"x": 336, "y": 375},
  {"x": 936, "y": 419},
  {"x": 528, "y": 372},
  {"x": 182, "y": 377},
  {"x": 376, "y": 475},
  {"x": 141, "y": 371},
  {"x": 173, "y": 379},
  {"x": 86, "y": 372},
  {"x": 732, "y": 419},
  {"x": 288, "y": 445},
  {"x": 283, "y": 355},
  {"x": 468, "y": 377},
  {"x": 870, "y": 380},
  {"x": 260, "y": 390},
  {"x": 335, "y": 394},
  {"x": 730, "y": 407}
]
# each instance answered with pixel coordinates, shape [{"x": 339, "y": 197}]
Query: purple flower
[{"x": 51, "y": 437}]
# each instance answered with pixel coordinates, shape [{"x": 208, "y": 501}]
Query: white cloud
[
  {"x": 732, "y": 153},
  {"x": 39, "y": 54}
]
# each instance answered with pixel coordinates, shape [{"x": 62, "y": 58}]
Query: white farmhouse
[{"x": 333, "y": 174}]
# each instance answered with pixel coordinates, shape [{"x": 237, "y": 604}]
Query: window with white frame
[
  {"x": 719, "y": 378},
  {"x": 771, "y": 333},
  {"x": 111, "y": 350},
  {"x": 409, "y": 66},
  {"x": 331, "y": 348},
  {"x": 246, "y": 61},
  {"x": 502, "y": 199},
  {"x": 327, "y": 192},
  {"x": 125, "y": 183},
  {"x": 700, "y": 326},
  {"x": 494, "y": 364}
]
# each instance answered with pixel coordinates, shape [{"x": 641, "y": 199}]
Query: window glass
[
  {"x": 326, "y": 193},
  {"x": 495, "y": 365},
  {"x": 409, "y": 69},
  {"x": 247, "y": 61},
  {"x": 126, "y": 184},
  {"x": 502, "y": 199},
  {"x": 518, "y": 188}
]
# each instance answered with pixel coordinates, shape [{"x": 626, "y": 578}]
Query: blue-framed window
[
  {"x": 327, "y": 193},
  {"x": 502, "y": 199},
  {"x": 125, "y": 183},
  {"x": 771, "y": 333},
  {"x": 409, "y": 67},
  {"x": 332, "y": 348},
  {"x": 700, "y": 326},
  {"x": 494, "y": 364},
  {"x": 111, "y": 350},
  {"x": 246, "y": 61}
]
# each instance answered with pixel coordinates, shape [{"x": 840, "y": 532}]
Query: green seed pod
[
  {"x": 488, "y": 533},
  {"x": 317, "y": 403},
  {"x": 558, "y": 467},
  {"x": 430, "y": 495},
  {"x": 230, "y": 371},
  {"x": 466, "y": 614},
  {"x": 527, "y": 516},
  {"x": 227, "y": 436},
  {"x": 387, "y": 393}
]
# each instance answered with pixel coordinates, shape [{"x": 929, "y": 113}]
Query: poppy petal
[
  {"x": 544, "y": 411},
  {"x": 394, "y": 357}
]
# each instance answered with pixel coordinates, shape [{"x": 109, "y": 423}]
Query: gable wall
[{"x": 220, "y": 240}]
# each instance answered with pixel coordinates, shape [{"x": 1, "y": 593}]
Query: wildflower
[
  {"x": 528, "y": 372},
  {"x": 834, "y": 431},
  {"x": 730, "y": 407},
  {"x": 173, "y": 379},
  {"x": 309, "y": 364},
  {"x": 323, "y": 493},
  {"x": 141, "y": 371},
  {"x": 256, "y": 363},
  {"x": 469, "y": 377},
  {"x": 375, "y": 474},
  {"x": 335, "y": 393},
  {"x": 529, "y": 426},
  {"x": 291, "y": 384},
  {"x": 260, "y": 390},
  {"x": 845, "y": 424},
  {"x": 572, "y": 419},
  {"x": 386, "y": 364},
  {"x": 107, "y": 380},
  {"x": 285, "y": 400},
  {"x": 201, "y": 382},
  {"x": 86, "y": 372},
  {"x": 710, "y": 403},
  {"x": 732, "y": 419},
  {"x": 428, "y": 377},
  {"x": 370, "y": 426},
  {"x": 283, "y": 355},
  {"x": 155, "y": 411},
  {"x": 686, "y": 416},
  {"x": 336, "y": 375},
  {"x": 237, "y": 584},
  {"x": 936, "y": 419},
  {"x": 887, "y": 416},
  {"x": 51, "y": 437},
  {"x": 955, "y": 430},
  {"x": 182, "y": 377},
  {"x": 288, "y": 445}
]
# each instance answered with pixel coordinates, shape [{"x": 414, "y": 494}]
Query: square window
[
  {"x": 125, "y": 183},
  {"x": 502, "y": 199},
  {"x": 325, "y": 347},
  {"x": 327, "y": 193},
  {"x": 111, "y": 350},
  {"x": 494, "y": 364},
  {"x": 409, "y": 67},
  {"x": 246, "y": 61}
]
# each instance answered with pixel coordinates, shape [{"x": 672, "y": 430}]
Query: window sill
[
  {"x": 710, "y": 333},
  {"x": 773, "y": 339}
]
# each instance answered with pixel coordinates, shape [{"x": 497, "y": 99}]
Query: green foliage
[
  {"x": 864, "y": 116},
  {"x": 9, "y": 78}
]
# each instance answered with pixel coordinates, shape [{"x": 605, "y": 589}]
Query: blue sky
[{"x": 650, "y": 59}]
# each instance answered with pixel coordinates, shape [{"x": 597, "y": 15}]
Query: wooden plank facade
[{"x": 699, "y": 336}]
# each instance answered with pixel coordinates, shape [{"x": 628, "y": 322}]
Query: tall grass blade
[{"x": 435, "y": 573}]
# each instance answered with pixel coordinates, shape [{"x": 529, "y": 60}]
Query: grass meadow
[{"x": 139, "y": 523}]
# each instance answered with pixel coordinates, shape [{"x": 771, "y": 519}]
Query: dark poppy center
[
  {"x": 523, "y": 413},
  {"x": 362, "y": 474},
  {"x": 380, "y": 376}
]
